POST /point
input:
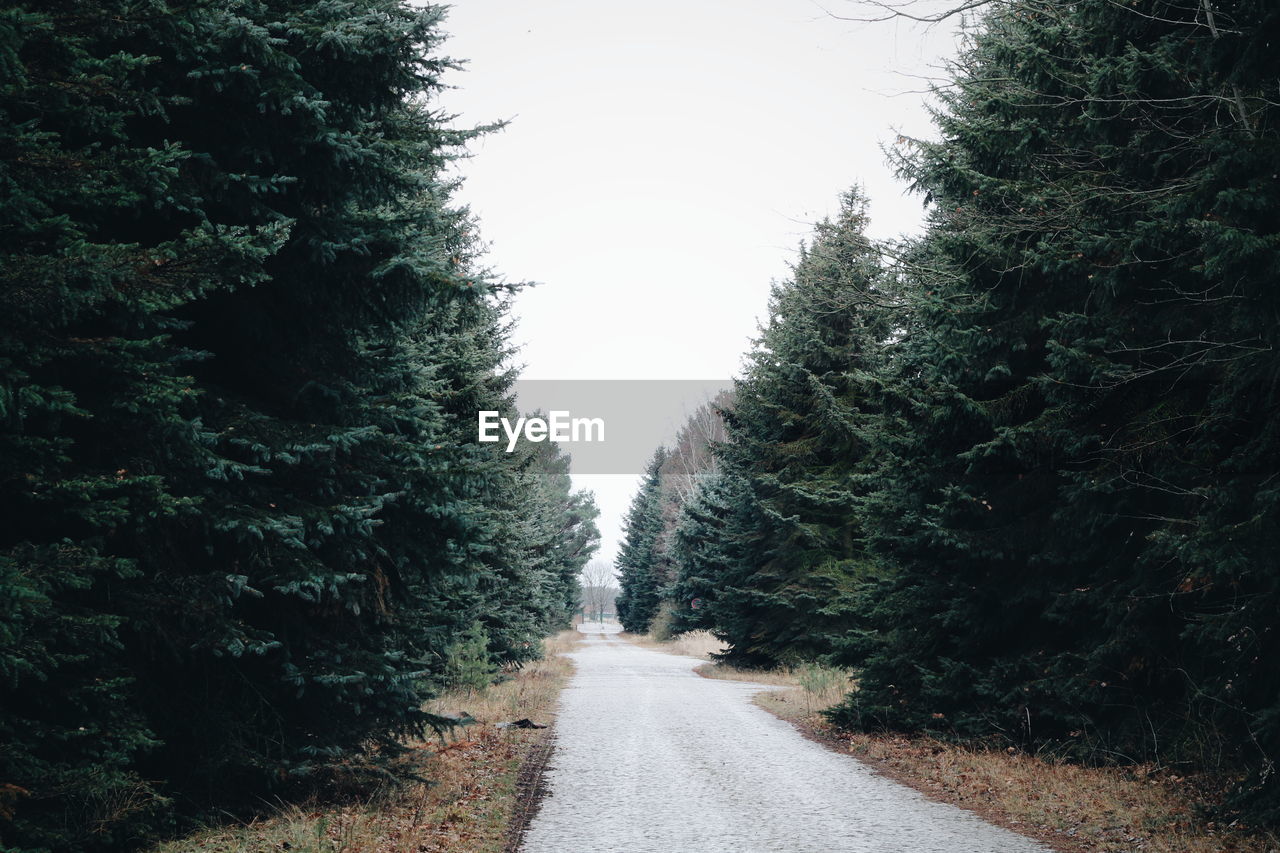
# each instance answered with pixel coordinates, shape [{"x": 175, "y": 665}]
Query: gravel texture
[{"x": 651, "y": 757}]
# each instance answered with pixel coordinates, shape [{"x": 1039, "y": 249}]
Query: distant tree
[
  {"x": 599, "y": 591},
  {"x": 712, "y": 537},
  {"x": 641, "y": 571},
  {"x": 692, "y": 456},
  {"x": 773, "y": 547}
]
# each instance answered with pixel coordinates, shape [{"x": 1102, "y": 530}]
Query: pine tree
[
  {"x": 710, "y": 540},
  {"x": 244, "y": 339},
  {"x": 1077, "y": 499},
  {"x": 94, "y": 403},
  {"x": 794, "y": 456},
  {"x": 640, "y": 562},
  {"x": 542, "y": 533},
  {"x": 277, "y": 597}
]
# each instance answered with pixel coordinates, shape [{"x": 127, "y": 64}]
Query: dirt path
[{"x": 650, "y": 757}]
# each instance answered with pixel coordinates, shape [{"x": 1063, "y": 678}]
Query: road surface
[{"x": 651, "y": 757}]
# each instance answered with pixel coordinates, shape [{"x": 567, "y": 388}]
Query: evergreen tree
[
  {"x": 788, "y": 501},
  {"x": 1078, "y": 499},
  {"x": 246, "y": 512},
  {"x": 94, "y": 403},
  {"x": 710, "y": 540},
  {"x": 640, "y": 563},
  {"x": 542, "y": 534}
]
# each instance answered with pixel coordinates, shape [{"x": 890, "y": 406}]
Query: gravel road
[{"x": 651, "y": 757}]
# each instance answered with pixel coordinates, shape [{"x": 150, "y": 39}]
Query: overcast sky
[{"x": 663, "y": 162}]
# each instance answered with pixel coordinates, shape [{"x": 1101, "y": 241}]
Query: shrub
[
  {"x": 662, "y": 628},
  {"x": 467, "y": 662}
]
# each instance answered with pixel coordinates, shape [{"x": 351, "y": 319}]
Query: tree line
[
  {"x": 1021, "y": 475},
  {"x": 247, "y": 527}
]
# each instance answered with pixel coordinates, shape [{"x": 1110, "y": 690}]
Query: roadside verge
[
  {"x": 1068, "y": 807},
  {"x": 481, "y": 788}
]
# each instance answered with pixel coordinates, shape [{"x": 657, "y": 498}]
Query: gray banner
[{"x": 618, "y": 423}]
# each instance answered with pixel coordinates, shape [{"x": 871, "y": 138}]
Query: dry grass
[
  {"x": 818, "y": 686},
  {"x": 778, "y": 677},
  {"x": 811, "y": 688},
  {"x": 695, "y": 644},
  {"x": 1070, "y": 807},
  {"x": 1108, "y": 809},
  {"x": 466, "y": 808}
]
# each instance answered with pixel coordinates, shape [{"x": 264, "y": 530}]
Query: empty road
[{"x": 651, "y": 757}]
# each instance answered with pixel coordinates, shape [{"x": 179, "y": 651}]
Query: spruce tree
[
  {"x": 789, "y": 499},
  {"x": 95, "y": 404},
  {"x": 711, "y": 539},
  {"x": 1077, "y": 502},
  {"x": 244, "y": 342},
  {"x": 640, "y": 562}
]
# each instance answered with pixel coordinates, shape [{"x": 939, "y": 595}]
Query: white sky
[{"x": 662, "y": 164}]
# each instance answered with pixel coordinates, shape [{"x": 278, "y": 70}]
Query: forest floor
[
  {"x": 1072, "y": 808},
  {"x": 479, "y": 794}
]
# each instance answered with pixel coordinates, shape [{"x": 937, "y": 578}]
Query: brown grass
[
  {"x": 466, "y": 808},
  {"x": 1070, "y": 807},
  {"x": 814, "y": 696},
  {"x": 694, "y": 644},
  {"x": 723, "y": 672}
]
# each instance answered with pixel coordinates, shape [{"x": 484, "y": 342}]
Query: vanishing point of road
[{"x": 652, "y": 758}]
